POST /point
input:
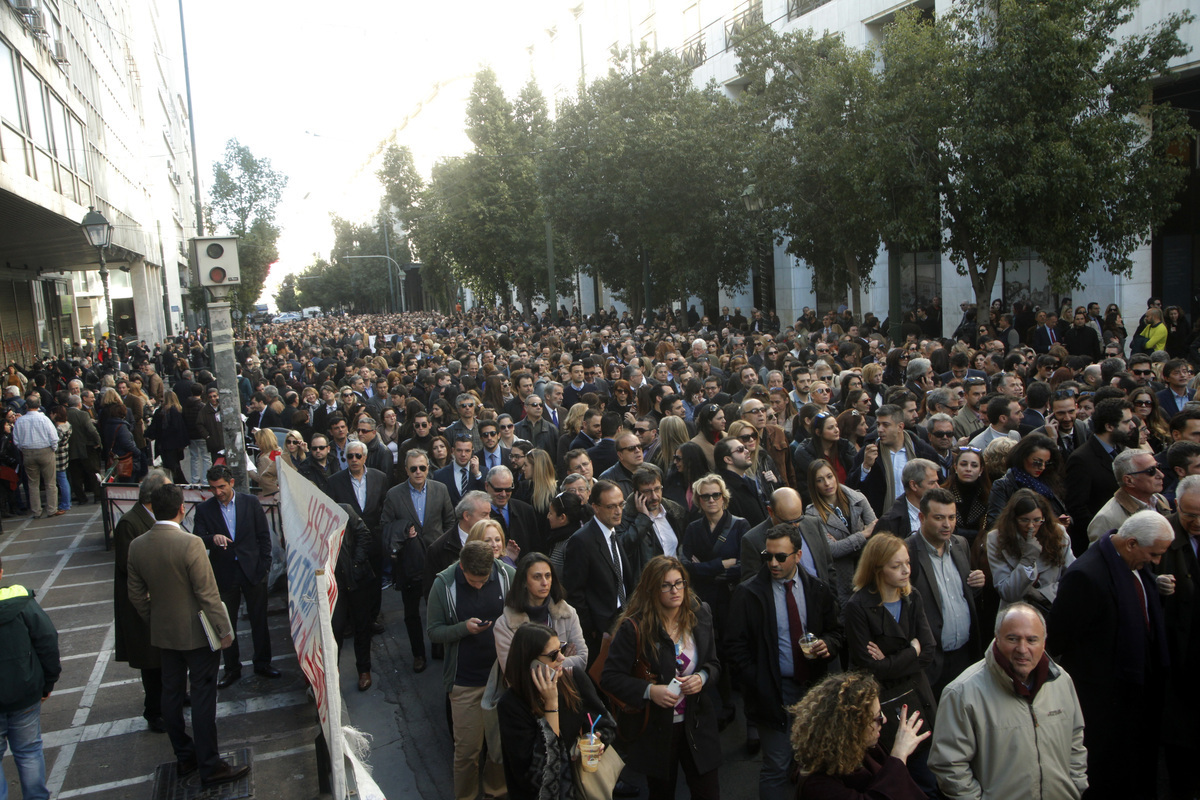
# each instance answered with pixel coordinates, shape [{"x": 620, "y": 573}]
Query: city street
[{"x": 98, "y": 746}]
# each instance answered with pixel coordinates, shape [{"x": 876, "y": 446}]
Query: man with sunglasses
[
  {"x": 491, "y": 454},
  {"x": 769, "y": 615},
  {"x": 516, "y": 517},
  {"x": 319, "y": 467},
  {"x": 378, "y": 456},
  {"x": 786, "y": 507},
  {"x": 422, "y": 438},
  {"x": 416, "y": 509},
  {"x": 1140, "y": 481},
  {"x": 365, "y": 489},
  {"x": 466, "y": 422},
  {"x": 746, "y": 500},
  {"x": 629, "y": 459}
]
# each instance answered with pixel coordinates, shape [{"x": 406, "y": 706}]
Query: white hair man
[
  {"x": 1018, "y": 689},
  {"x": 1107, "y": 630},
  {"x": 1139, "y": 481}
]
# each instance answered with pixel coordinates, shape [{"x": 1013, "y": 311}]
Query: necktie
[
  {"x": 796, "y": 630},
  {"x": 462, "y": 480},
  {"x": 1053, "y": 338},
  {"x": 616, "y": 557},
  {"x": 491, "y": 460},
  {"x": 1067, "y": 444}
]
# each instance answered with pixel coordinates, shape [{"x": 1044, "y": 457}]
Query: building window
[
  {"x": 10, "y": 100},
  {"x": 35, "y": 101}
]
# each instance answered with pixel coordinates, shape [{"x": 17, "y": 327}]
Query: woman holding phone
[{"x": 544, "y": 716}]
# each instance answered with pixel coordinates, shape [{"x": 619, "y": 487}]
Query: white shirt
[
  {"x": 608, "y": 539},
  {"x": 360, "y": 489},
  {"x": 666, "y": 534}
]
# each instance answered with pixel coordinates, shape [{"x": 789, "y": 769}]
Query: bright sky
[{"x": 318, "y": 88}]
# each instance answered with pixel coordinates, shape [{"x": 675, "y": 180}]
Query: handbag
[
  {"x": 122, "y": 465},
  {"x": 599, "y": 785},
  {"x": 626, "y": 716}
]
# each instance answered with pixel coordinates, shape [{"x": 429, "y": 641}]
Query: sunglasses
[
  {"x": 320, "y": 447},
  {"x": 631, "y": 448},
  {"x": 710, "y": 496},
  {"x": 641, "y": 431},
  {"x": 552, "y": 655},
  {"x": 1147, "y": 471},
  {"x": 1144, "y": 403},
  {"x": 778, "y": 557},
  {"x": 353, "y": 456},
  {"x": 1143, "y": 372},
  {"x": 501, "y": 489},
  {"x": 418, "y": 468},
  {"x": 291, "y": 441},
  {"x": 748, "y": 437},
  {"x": 489, "y": 434},
  {"x": 361, "y": 431}
]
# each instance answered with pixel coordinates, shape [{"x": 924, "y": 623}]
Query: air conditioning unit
[
  {"x": 36, "y": 23},
  {"x": 60, "y": 53},
  {"x": 175, "y": 179},
  {"x": 25, "y": 6}
]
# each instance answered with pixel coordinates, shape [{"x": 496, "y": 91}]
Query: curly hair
[{"x": 833, "y": 723}]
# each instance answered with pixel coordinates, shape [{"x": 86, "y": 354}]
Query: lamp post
[
  {"x": 754, "y": 204},
  {"x": 99, "y": 234},
  {"x": 399, "y": 273}
]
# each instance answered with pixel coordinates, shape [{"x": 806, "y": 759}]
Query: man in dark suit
[
  {"x": 462, "y": 474},
  {"x": 84, "y": 449},
  {"x": 904, "y": 517},
  {"x": 1047, "y": 335},
  {"x": 132, "y": 635},
  {"x": 873, "y": 472},
  {"x": 261, "y": 414},
  {"x": 170, "y": 583},
  {"x": 1176, "y": 372},
  {"x": 1090, "y": 479},
  {"x": 942, "y": 574},
  {"x": 378, "y": 456},
  {"x": 785, "y": 507},
  {"x": 604, "y": 453},
  {"x": 491, "y": 454},
  {"x": 1062, "y": 424},
  {"x": 1178, "y": 577},
  {"x": 516, "y": 517},
  {"x": 775, "y": 678},
  {"x": 365, "y": 489},
  {"x": 329, "y": 406},
  {"x": 417, "y": 509},
  {"x": 656, "y": 524},
  {"x": 745, "y": 499},
  {"x": 535, "y": 428},
  {"x": 234, "y": 528},
  {"x": 1107, "y": 630},
  {"x": 597, "y": 571},
  {"x": 629, "y": 459}
]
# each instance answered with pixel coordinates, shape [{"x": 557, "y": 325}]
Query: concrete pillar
[{"x": 146, "y": 282}]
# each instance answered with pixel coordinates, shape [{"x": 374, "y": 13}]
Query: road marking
[
  {"x": 85, "y": 583},
  {"x": 70, "y": 551},
  {"x": 48, "y": 609},
  {"x": 17, "y": 532},
  {"x": 109, "y": 685},
  {"x": 58, "y": 775},
  {"x": 61, "y": 631}
]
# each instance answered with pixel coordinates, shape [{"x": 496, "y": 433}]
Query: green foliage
[
  {"x": 285, "y": 298},
  {"x": 243, "y": 199},
  {"x": 646, "y": 166},
  {"x": 1036, "y": 125}
]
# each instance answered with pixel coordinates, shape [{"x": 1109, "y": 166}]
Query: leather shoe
[
  {"x": 625, "y": 789},
  {"x": 377, "y": 628},
  {"x": 156, "y": 724},
  {"x": 364, "y": 681},
  {"x": 753, "y": 745},
  {"x": 225, "y": 773},
  {"x": 419, "y": 664},
  {"x": 185, "y": 768},
  {"x": 267, "y": 672},
  {"x": 229, "y": 679}
]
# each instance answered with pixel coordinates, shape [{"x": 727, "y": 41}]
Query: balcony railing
[
  {"x": 798, "y": 8},
  {"x": 748, "y": 18},
  {"x": 692, "y": 51}
]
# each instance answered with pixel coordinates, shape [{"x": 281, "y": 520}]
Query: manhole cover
[{"x": 169, "y": 786}]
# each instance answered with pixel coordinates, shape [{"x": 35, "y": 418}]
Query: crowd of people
[{"x": 929, "y": 567}]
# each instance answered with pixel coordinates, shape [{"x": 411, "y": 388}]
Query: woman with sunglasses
[
  {"x": 622, "y": 398},
  {"x": 672, "y": 433},
  {"x": 822, "y": 397},
  {"x": 847, "y": 518},
  {"x": 544, "y": 713},
  {"x": 664, "y": 658},
  {"x": 825, "y": 444},
  {"x": 896, "y": 367},
  {"x": 1147, "y": 410},
  {"x": 1034, "y": 463},
  {"x": 295, "y": 449},
  {"x": 835, "y": 734},
  {"x": 710, "y": 429},
  {"x": 888, "y": 635},
  {"x": 1028, "y": 552}
]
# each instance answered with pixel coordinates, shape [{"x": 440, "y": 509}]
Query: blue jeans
[
  {"x": 22, "y": 730},
  {"x": 64, "y": 491}
]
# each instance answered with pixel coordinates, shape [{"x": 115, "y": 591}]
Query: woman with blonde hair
[
  {"x": 672, "y": 432},
  {"x": 888, "y": 635},
  {"x": 489, "y": 531},
  {"x": 295, "y": 450},
  {"x": 847, "y": 519},
  {"x": 763, "y": 468},
  {"x": 267, "y": 476},
  {"x": 836, "y": 729}
]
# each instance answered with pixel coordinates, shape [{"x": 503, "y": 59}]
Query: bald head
[{"x": 786, "y": 506}]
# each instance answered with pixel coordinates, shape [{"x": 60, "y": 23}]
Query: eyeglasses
[
  {"x": 489, "y": 434},
  {"x": 291, "y": 441},
  {"x": 320, "y": 447},
  {"x": 501, "y": 489},
  {"x": 418, "y": 468},
  {"x": 710, "y": 496},
  {"x": 778, "y": 557},
  {"x": 508, "y": 427},
  {"x": 466, "y": 405},
  {"x": 361, "y": 431},
  {"x": 879, "y": 719},
  {"x": 641, "y": 431},
  {"x": 1037, "y": 463},
  {"x": 677, "y": 586},
  {"x": 1147, "y": 471},
  {"x": 942, "y": 434},
  {"x": 533, "y": 405},
  {"x": 677, "y": 459},
  {"x": 420, "y": 424},
  {"x": 1143, "y": 372}
]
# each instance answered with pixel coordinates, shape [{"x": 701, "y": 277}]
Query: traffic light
[{"x": 217, "y": 260}]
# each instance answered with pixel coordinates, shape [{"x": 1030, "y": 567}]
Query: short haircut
[
  {"x": 1146, "y": 527},
  {"x": 600, "y": 488},
  {"x": 154, "y": 480},
  {"x": 936, "y": 495},
  {"x": 917, "y": 368},
  {"x": 938, "y": 397},
  {"x": 470, "y": 501},
  {"x": 415, "y": 452},
  {"x": 997, "y": 407},
  {"x": 788, "y": 531},
  {"x": 916, "y": 470},
  {"x": 356, "y": 446},
  {"x": 1178, "y": 422},
  {"x": 610, "y": 423},
  {"x": 939, "y": 417},
  {"x": 166, "y": 501},
  {"x": 367, "y": 421},
  {"x": 33, "y": 401},
  {"x": 723, "y": 450},
  {"x": 499, "y": 471},
  {"x": 890, "y": 411},
  {"x": 1187, "y": 485},
  {"x": 1123, "y": 463},
  {"x": 219, "y": 472},
  {"x": 1181, "y": 454},
  {"x": 1017, "y": 606},
  {"x": 1038, "y": 393},
  {"x": 646, "y": 475},
  {"x": 476, "y": 558}
]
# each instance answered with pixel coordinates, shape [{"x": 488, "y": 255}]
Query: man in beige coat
[{"x": 170, "y": 583}]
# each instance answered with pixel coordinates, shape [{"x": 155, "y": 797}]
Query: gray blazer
[
  {"x": 845, "y": 542},
  {"x": 398, "y": 507}
]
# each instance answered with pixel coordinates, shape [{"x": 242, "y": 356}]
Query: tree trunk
[
  {"x": 983, "y": 283},
  {"x": 855, "y": 286}
]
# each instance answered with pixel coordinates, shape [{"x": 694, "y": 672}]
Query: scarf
[
  {"x": 972, "y": 504},
  {"x": 1027, "y": 481},
  {"x": 539, "y": 613},
  {"x": 1039, "y": 676},
  {"x": 1134, "y": 642}
]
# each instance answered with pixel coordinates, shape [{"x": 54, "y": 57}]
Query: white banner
[{"x": 313, "y": 526}]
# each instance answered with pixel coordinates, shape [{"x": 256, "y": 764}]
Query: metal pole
[
  {"x": 187, "y": 80},
  {"x": 162, "y": 257},
  {"x": 552, "y": 297},
  {"x": 108, "y": 315},
  {"x": 387, "y": 248},
  {"x": 224, "y": 364}
]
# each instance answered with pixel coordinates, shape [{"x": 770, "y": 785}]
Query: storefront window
[{"x": 920, "y": 279}]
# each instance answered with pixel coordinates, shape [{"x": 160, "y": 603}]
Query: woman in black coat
[
  {"x": 666, "y": 635},
  {"x": 826, "y": 443},
  {"x": 170, "y": 435},
  {"x": 543, "y": 714},
  {"x": 116, "y": 436},
  {"x": 888, "y": 635}
]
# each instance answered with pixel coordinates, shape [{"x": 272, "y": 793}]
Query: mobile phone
[
  {"x": 485, "y": 622},
  {"x": 674, "y": 686},
  {"x": 871, "y": 440}
]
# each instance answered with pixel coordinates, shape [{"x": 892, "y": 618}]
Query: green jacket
[
  {"x": 29, "y": 664},
  {"x": 443, "y": 625}
]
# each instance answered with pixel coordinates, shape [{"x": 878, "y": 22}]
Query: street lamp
[
  {"x": 99, "y": 234},
  {"x": 754, "y": 204}
]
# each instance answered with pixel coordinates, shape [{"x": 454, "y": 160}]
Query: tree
[
  {"x": 644, "y": 180},
  {"x": 243, "y": 199},
  {"x": 1037, "y": 127},
  {"x": 285, "y": 298},
  {"x": 823, "y": 162}
]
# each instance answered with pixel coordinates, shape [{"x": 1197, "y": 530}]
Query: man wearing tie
[
  {"x": 596, "y": 570},
  {"x": 516, "y": 517},
  {"x": 461, "y": 475},
  {"x": 1176, "y": 372},
  {"x": 491, "y": 455},
  {"x": 1061, "y": 425},
  {"x": 554, "y": 398}
]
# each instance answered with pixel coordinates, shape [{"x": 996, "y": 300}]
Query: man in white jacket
[{"x": 1011, "y": 725}]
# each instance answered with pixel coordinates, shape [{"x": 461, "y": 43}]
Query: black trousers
[
  {"x": 954, "y": 663},
  {"x": 82, "y": 478},
  {"x": 256, "y": 607},
  {"x": 152, "y": 686},
  {"x": 702, "y": 785},
  {"x": 411, "y": 594},
  {"x": 171, "y": 460},
  {"x": 354, "y": 614},
  {"x": 200, "y": 666}
]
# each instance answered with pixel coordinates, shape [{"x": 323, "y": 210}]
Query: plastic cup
[
  {"x": 590, "y": 750},
  {"x": 808, "y": 644}
]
